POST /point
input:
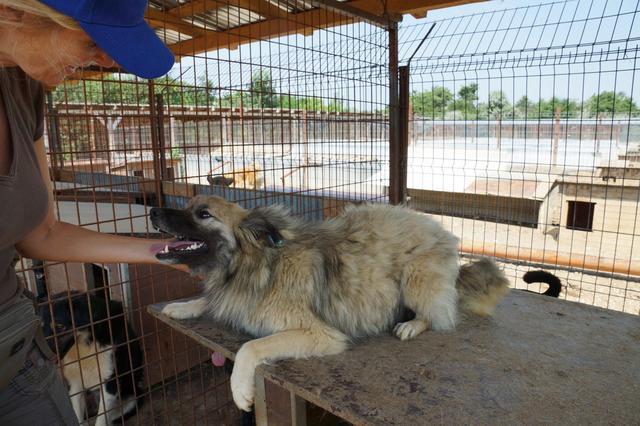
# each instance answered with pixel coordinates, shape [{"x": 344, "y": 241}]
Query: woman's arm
[{"x": 60, "y": 241}]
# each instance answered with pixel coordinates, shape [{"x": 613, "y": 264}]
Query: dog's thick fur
[
  {"x": 540, "y": 276},
  {"x": 97, "y": 349},
  {"x": 310, "y": 288}
]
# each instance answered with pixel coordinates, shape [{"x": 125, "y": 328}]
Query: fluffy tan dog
[
  {"x": 249, "y": 177},
  {"x": 310, "y": 288}
]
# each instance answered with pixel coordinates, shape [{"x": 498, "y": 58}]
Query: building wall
[
  {"x": 616, "y": 219},
  {"x": 493, "y": 208},
  {"x": 616, "y": 206},
  {"x": 550, "y": 211},
  {"x": 619, "y": 173}
]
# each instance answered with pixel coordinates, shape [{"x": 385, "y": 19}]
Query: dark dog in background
[
  {"x": 97, "y": 350},
  {"x": 539, "y": 276}
]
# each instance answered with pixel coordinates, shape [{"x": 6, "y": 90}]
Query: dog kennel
[{"x": 517, "y": 127}]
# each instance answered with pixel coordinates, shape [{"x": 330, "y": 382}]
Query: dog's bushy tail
[
  {"x": 539, "y": 276},
  {"x": 481, "y": 285}
]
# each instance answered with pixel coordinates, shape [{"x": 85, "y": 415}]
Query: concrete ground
[
  {"x": 602, "y": 291},
  {"x": 618, "y": 295}
]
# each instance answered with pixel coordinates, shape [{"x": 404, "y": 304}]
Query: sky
[{"x": 569, "y": 49}]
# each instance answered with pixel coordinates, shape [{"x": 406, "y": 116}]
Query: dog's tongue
[{"x": 217, "y": 359}]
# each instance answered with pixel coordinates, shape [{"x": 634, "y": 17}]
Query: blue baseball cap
[{"x": 118, "y": 27}]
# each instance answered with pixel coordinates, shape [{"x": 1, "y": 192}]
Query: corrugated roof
[
  {"x": 170, "y": 36},
  {"x": 191, "y": 27},
  {"x": 199, "y": 19},
  {"x": 225, "y": 18}
]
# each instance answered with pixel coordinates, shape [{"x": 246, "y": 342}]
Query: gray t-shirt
[{"x": 23, "y": 193}]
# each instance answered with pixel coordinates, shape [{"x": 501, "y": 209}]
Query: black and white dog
[{"x": 97, "y": 350}]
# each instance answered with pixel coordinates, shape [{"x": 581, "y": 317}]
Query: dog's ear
[{"x": 266, "y": 225}]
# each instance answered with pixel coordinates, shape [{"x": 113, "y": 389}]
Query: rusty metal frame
[{"x": 394, "y": 120}]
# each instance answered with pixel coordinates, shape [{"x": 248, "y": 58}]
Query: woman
[{"x": 42, "y": 42}]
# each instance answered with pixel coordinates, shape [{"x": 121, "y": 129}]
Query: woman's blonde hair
[{"x": 34, "y": 7}]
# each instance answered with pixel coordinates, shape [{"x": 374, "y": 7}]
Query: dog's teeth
[{"x": 165, "y": 249}]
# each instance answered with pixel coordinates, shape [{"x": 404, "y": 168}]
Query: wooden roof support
[
  {"x": 195, "y": 7},
  {"x": 159, "y": 19},
  {"x": 177, "y": 18},
  {"x": 406, "y": 6},
  {"x": 279, "y": 22},
  {"x": 293, "y": 24},
  {"x": 381, "y": 20},
  {"x": 261, "y": 7}
]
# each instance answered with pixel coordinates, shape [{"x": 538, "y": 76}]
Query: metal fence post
[
  {"x": 403, "y": 128},
  {"x": 394, "y": 119},
  {"x": 55, "y": 145},
  {"x": 156, "y": 146}
]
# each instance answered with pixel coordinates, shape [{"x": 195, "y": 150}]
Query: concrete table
[{"x": 538, "y": 360}]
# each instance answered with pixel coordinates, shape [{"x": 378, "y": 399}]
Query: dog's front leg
[
  {"x": 185, "y": 310},
  {"x": 285, "y": 344}
]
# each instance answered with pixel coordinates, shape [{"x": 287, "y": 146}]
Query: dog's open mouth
[{"x": 180, "y": 246}]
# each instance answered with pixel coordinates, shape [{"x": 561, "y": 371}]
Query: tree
[
  {"x": 611, "y": 104},
  {"x": 499, "y": 106},
  {"x": 235, "y": 99},
  {"x": 431, "y": 104},
  {"x": 109, "y": 90},
  {"x": 525, "y": 108},
  {"x": 300, "y": 102},
  {"x": 466, "y": 101},
  {"x": 200, "y": 94},
  {"x": 336, "y": 105},
  {"x": 568, "y": 108},
  {"x": 261, "y": 93},
  {"x": 130, "y": 91}
]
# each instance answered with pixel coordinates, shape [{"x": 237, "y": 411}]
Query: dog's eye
[
  {"x": 59, "y": 327},
  {"x": 203, "y": 214}
]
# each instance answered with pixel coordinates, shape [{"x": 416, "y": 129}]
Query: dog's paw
[
  {"x": 180, "y": 310},
  {"x": 243, "y": 378},
  {"x": 410, "y": 329},
  {"x": 242, "y": 389}
]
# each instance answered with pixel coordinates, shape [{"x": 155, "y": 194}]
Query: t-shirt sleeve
[{"x": 38, "y": 107}]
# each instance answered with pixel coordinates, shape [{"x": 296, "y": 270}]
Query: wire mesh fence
[
  {"x": 300, "y": 119},
  {"x": 523, "y": 137}
]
